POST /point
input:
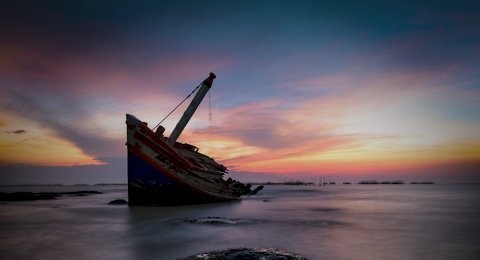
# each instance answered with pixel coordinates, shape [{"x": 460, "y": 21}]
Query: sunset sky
[{"x": 360, "y": 89}]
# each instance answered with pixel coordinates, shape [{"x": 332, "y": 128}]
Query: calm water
[{"x": 337, "y": 222}]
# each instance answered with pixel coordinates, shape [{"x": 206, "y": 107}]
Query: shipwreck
[{"x": 162, "y": 171}]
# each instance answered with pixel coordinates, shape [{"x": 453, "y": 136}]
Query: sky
[{"x": 351, "y": 90}]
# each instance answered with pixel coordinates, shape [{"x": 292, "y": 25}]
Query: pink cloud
[
  {"x": 316, "y": 124},
  {"x": 101, "y": 73}
]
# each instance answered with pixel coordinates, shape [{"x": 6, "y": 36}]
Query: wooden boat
[{"x": 162, "y": 171}]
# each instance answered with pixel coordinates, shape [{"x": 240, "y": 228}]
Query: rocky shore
[
  {"x": 29, "y": 196},
  {"x": 247, "y": 254}
]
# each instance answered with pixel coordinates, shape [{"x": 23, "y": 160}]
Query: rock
[
  {"x": 217, "y": 221},
  {"x": 81, "y": 192},
  {"x": 29, "y": 196},
  {"x": 256, "y": 190},
  {"x": 26, "y": 196},
  {"x": 247, "y": 254},
  {"x": 118, "y": 202}
]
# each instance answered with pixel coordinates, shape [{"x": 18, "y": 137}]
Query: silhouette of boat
[{"x": 162, "y": 171}]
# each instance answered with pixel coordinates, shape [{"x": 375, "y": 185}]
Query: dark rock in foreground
[
  {"x": 118, "y": 202},
  {"x": 246, "y": 254},
  {"x": 29, "y": 196},
  {"x": 217, "y": 221}
]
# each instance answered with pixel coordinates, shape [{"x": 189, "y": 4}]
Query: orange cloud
[{"x": 39, "y": 146}]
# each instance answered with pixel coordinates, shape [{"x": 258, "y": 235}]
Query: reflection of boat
[{"x": 162, "y": 171}]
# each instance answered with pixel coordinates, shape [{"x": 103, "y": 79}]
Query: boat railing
[{"x": 158, "y": 144}]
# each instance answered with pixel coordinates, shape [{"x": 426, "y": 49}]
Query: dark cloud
[{"x": 17, "y": 132}]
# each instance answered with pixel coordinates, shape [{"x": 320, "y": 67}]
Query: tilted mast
[{"x": 187, "y": 115}]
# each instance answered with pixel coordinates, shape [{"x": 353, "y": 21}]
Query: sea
[{"x": 436, "y": 221}]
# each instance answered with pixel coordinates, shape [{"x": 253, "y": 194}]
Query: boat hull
[{"x": 148, "y": 185}]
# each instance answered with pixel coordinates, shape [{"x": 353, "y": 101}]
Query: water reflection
[{"x": 354, "y": 222}]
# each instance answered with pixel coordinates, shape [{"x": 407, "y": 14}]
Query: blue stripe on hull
[{"x": 149, "y": 186}]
